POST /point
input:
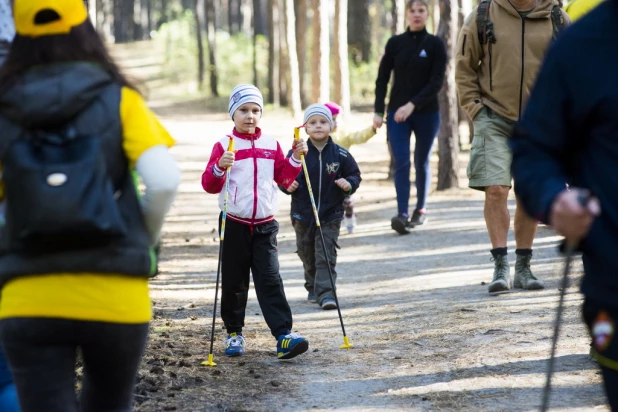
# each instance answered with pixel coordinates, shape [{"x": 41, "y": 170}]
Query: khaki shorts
[{"x": 490, "y": 155}]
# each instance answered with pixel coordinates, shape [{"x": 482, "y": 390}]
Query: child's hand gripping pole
[
  {"x": 346, "y": 342},
  {"x": 302, "y": 160},
  {"x": 230, "y": 148},
  {"x": 210, "y": 361}
]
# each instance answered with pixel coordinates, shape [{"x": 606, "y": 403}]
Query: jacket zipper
[
  {"x": 320, "y": 185},
  {"x": 521, "y": 84},
  {"x": 255, "y": 179}
]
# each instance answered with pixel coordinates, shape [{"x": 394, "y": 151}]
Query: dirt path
[{"x": 426, "y": 334}]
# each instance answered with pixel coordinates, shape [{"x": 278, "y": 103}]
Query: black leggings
[
  {"x": 42, "y": 355},
  {"x": 610, "y": 353}
]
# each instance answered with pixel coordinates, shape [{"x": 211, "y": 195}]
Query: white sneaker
[{"x": 349, "y": 223}]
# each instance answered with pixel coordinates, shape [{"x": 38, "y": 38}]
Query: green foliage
[{"x": 234, "y": 56}]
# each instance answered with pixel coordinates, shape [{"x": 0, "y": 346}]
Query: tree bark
[
  {"x": 284, "y": 68},
  {"x": 211, "y": 35},
  {"x": 254, "y": 64},
  {"x": 398, "y": 15},
  {"x": 359, "y": 30},
  {"x": 124, "y": 24},
  {"x": 294, "y": 86},
  {"x": 273, "y": 53},
  {"x": 448, "y": 137},
  {"x": 320, "y": 78},
  {"x": 342, "y": 73},
  {"x": 198, "y": 12},
  {"x": 301, "y": 47}
]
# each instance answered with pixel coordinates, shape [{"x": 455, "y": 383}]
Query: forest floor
[{"x": 426, "y": 334}]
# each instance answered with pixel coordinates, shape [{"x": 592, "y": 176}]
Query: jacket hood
[
  {"x": 541, "y": 11},
  {"x": 53, "y": 94}
]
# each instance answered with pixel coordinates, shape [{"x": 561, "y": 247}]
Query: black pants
[
  {"x": 42, "y": 354},
  {"x": 607, "y": 356},
  {"x": 253, "y": 249}
]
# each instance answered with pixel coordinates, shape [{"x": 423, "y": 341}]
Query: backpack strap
[
  {"x": 484, "y": 26},
  {"x": 557, "y": 21}
]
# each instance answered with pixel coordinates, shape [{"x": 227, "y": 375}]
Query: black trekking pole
[
  {"x": 569, "y": 250},
  {"x": 346, "y": 342},
  {"x": 210, "y": 361}
]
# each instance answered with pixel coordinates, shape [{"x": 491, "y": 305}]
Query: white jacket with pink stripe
[{"x": 259, "y": 160}]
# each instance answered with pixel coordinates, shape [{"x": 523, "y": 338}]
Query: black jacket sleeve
[
  {"x": 438, "y": 68},
  {"x": 387, "y": 64}
]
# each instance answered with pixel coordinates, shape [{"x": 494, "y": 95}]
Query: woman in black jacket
[{"x": 418, "y": 60}]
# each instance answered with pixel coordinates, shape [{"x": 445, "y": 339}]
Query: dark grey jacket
[{"x": 85, "y": 96}]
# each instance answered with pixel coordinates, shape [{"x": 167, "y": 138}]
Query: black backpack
[
  {"x": 59, "y": 195},
  {"x": 485, "y": 27}
]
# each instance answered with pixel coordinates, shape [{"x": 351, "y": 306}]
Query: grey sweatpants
[{"x": 311, "y": 254}]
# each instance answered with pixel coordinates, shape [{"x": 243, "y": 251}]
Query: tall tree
[
  {"x": 294, "y": 85},
  {"x": 273, "y": 52},
  {"x": 320, "y": 75},
  {"x": 398, "y": 16},
  {"x": 448, "y": 137},
  {"x": 198, "y": 12},
  {"x": 104, "y": 19},
  {"x": 359, "y": 30},
  {"x": 342, "y": 73},
  {"x": 211, "y": 35},
  {"x": 301, "y": 46},
  {"x": 124, "y": 24},
  {"x": 256, "y": 15}
]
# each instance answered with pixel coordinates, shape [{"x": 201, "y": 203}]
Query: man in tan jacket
[{"x": 495, "y": 71}]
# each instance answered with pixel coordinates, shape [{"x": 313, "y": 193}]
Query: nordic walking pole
[
  {"x": 209, "y": 362},
  {"x": 346, "y": 342},
  {"x": 569, "y": 251}
]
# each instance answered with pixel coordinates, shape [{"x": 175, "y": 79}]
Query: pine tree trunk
[
  {"x": 448, "y": 137},
  {"x": 273, "y": 53},
  {"x": 342, "y": 73},
  {"x": 398, "y": 14},
  {"x": 315, "y": 51},
  {"x": 359, "y": 30},
  {"x": 211, "y": 35},
  {"x": 294, "y": 86},
  {"x": 124, "y": 25},
  {"x": 198, "y": 12},
  {"x": 324, "y": 49},
  {"x": 301, "y": 47}
]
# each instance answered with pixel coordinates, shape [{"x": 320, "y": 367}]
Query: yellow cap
[{"x": 71, "y": 13}]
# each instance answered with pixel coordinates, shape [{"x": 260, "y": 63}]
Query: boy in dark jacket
[
  {"x": 569, "y": 132},
  {"x": 334, "y": 175}
]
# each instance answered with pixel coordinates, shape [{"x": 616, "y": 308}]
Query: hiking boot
[
  {"x": 291, "y": 345},
  {"x": 350, "y": 223},
  {"x": 311, "y": 297},
  {"x": 329, "y": 304},
  {"x": 418, "y": 218},
  {"x": 235, "y": 344},
  {"x": 400, "y": 224},
  {"x": 524, "y": 278},
  {"x": 502, "y": 278}
]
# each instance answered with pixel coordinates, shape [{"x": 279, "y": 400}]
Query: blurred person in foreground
[
  {"x": 79, "y": 242},
  {"x": 569, "y": 133}
]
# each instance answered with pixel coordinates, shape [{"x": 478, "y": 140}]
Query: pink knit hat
[{"x": 333, "y": 107}]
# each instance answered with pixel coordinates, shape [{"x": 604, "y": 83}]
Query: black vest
[{"x": 84, "y": 95}]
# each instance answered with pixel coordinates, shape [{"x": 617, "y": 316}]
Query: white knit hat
[
  {"x": 244, "y": 93},
  {"x": 321, "y": 110}
]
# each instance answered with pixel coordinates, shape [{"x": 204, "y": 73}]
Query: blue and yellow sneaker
[
  {"x": 291, "y": 345},
  {"x": 235, "y": 344}
]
